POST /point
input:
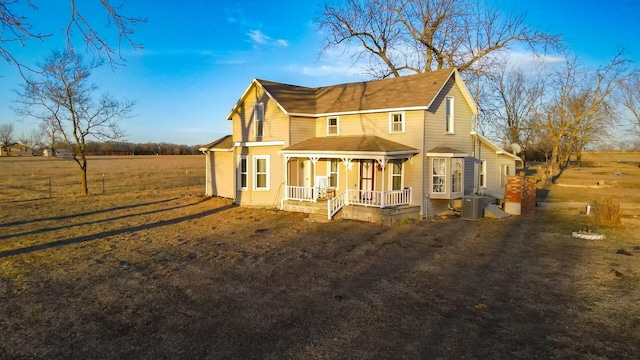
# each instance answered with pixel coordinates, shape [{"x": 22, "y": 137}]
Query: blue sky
[{"x": 200, "y": 56}]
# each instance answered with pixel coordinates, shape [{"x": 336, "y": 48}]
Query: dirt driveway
[{"x": 165, "y": 275}]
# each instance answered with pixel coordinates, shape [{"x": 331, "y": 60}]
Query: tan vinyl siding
[
  {"x": 220, "y": 181},
  {"x": 302, "y": 128},
  {"x": 435, "y": 135},
  {"x": 275, "y": 120},
  {"x": 266, "y": 198}
]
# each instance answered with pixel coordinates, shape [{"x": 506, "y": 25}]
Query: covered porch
[{"x": 334, "y": 172}]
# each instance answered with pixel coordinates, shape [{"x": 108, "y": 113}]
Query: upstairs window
[
  {"x": 332, "y": 125},
  {"x": 396, "y": 122},
  {"x": 449, "y": 129},
  {"x": 258, "y": 119}
]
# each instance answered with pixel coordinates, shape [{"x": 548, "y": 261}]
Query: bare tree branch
[
  {"x": 399, "y": 36},
  {"x": 62, "y": 99},
  {"x": 15, "y": 27}
]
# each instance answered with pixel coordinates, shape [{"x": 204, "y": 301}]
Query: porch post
[
  {"x": 383, "y": 165},
  {"x": 347, "y": 165},
  {"x": 286, "y": 176},
  {"x": 314, "y": 160}
]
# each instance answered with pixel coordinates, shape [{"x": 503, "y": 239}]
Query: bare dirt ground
[{"x": 173, "y": 274}]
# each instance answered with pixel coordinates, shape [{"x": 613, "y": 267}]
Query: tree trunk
[{"x": 553, "y": 164}]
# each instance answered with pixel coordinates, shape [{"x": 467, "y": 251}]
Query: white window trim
[
  {"x": 255, "y": 172},
  {"x": 258, "y": 116},
  {"x": 390, "y": 164},
  {"x": 445, "y": 176},
  {"x": 337, "y": 125},
  {"x": 483, "y": 172},
  {"x": 453, "y": 162},
  {"x": 449, "y": 119},
  {"x": 246, "y": 173},
  {"x": 404, "y": 121},
  {"x": 337, "y": 172}
]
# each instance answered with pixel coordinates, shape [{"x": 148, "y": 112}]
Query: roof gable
[{"x": 405, "y": 92}]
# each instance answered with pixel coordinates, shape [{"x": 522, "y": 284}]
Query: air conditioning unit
[{"x": 472, "y": 208}]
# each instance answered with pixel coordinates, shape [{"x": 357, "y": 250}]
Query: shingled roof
[
  {"x": 225, "y": 143},
  {"x": 351, "y": 144},
  {"x": 411, "y": 91}
]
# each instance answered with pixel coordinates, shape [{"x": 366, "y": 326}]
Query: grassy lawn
[{"x": 168, "y": 273}]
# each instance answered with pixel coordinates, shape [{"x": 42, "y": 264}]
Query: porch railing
[
  {"x": 301, "y": 193},
  {"x": 379, "y": 199}
]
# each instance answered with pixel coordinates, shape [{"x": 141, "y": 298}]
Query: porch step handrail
[{"x": 335, "y": 204}]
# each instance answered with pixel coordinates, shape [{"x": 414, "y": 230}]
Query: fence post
[
  {"x": 49, "y": 188},
  {"x": 102, "y": 183},
  {"x": 186, "y": 179}
]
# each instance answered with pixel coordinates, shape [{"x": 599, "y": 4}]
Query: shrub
[{"x": 607, "y": 212}]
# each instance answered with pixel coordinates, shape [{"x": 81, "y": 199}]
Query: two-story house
[{"x": 401, "y": 146}]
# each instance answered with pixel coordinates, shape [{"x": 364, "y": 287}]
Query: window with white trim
[
  {"x": 261, "y": 172},
  {"x": 439, "y": 175},
  {"x": 396, "y": 175},
  {"x": 396, "y": 122},
  {"x": 332, "y": 125},
  {"x": 483, "y": 172},
  {"x": 258, "y": 119},
  {"x": 242, "y": 173},
  {"x": 333, "y": 171},
  {"x": 449, "y": 106},
  {"x": 456, "y": 175}
]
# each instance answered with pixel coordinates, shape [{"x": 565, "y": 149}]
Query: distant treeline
[{"x": 127, "y": 148}]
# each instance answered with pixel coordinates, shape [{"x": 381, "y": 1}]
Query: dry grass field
[{"x": 153, "y": 273}]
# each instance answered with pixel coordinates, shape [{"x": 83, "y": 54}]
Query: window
[
  {"x": 439, "y": 173},
  {"x": 334, "y": 165},
  {"x": 332, "y": 126},
  {"x": 449, "y": 115},
  {"x": 456, "y": 175},
  {"x": 396, "y": 122},
  {"x": 261, "y": 172},
  {"x": 396, "y": 175},
  {"x": 258, "y": 119},
  {"x": 242, "y": 173},
  {"x": 483, "y": 172}
]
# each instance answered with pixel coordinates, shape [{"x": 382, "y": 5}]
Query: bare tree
[
  {"x": 16, "y": 27},
  {"x": 6, "y": 134},
  {"x": 631, "y": 98},
  {"x": 49, "y": 129},
  {"x": 32, "y": 138},
  {"x": 399, "y": 36},
  {"x": 579, "y": 108},
  {"x": 63, "y": 96},
  {"x": 511, "y": 103}
]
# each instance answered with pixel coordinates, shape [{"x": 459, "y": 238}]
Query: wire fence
[{"x": 39, "y": 179}]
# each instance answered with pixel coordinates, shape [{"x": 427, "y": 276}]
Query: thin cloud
[{"x": 258, "y": 38}]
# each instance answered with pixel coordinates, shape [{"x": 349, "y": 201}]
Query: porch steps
[
  {"x": 320, "y": 215},
  {"x": 494, "y": 211}
]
